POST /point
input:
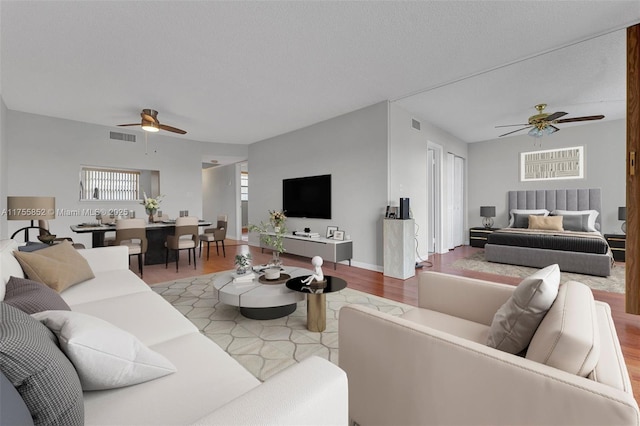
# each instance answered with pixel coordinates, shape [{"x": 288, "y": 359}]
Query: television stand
[{"x": 329, "y": 250}]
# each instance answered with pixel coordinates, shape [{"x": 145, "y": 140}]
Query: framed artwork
[
  {"x": 552, "y": 164},
  {"x": 330, "y": 231},
  {"x": 338, "y": 235}
]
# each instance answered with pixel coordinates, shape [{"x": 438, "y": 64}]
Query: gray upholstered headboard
[{"x": 560, "y": 199}]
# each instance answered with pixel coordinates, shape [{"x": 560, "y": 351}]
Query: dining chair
[
  {"x": 215, "y": 235},
  {"x": 133, "y": 234},
  {"x": 45, "y": 235},
  {"x": 185, "y": 237}
]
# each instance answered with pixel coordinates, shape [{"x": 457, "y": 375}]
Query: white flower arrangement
[{"x": 151, "y": 205}]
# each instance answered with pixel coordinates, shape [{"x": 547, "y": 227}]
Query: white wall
[
  {"x": 219, "y": 196},
  {"x": 408, "y": 166},
  {"x": 494, "y": 168},
  {"x": 45, "y": 155},
  {"x": 353, "y": 149}
]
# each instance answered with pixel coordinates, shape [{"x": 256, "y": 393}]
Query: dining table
[{"x": 156, "y": 236}]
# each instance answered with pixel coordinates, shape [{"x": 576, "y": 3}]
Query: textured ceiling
[{"x": 240, "y": 72}]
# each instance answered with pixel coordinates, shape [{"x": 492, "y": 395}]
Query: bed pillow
[
  {"x": 515, "y": 323},
  {"x": 591, "y": 222},
  {"x": 59, "y": 266},
  {"x": 45, "y": 378},
  {"x": 543, "y": 212},
  {"x": 550, "y": 223},
  {"x": 576, "y": 222},
  {"x": 104, "y": 355},
  {"x": 521, "y": 220}
]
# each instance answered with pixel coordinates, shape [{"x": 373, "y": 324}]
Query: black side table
[
  {"x": 316, "y": 299},
  {"x": 618, "y": 243},
  {"x": 478, "y": 236}
]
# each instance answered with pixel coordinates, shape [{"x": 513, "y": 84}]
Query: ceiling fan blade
[
  {"x": 132, "y": 124},
  {"x": 171, "y": 129},
  {"x": 515, "y": 131},
  {"x": 555, "y": 116},
  {"x": 554, "y": 127},
  {"x": 585, "y": 118},
  {"x": 147, "y": 117},
  {"x": 511, "y": 125}
]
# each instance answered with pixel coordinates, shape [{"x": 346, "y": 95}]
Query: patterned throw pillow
[
  {"x": 31, "y": 296},
  {"x": 42, "y": 374}
]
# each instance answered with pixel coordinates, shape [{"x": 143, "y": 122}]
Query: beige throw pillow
[
  {"x": 515, "y": 323},
  {"x": 551, "y": 223},
  {"x": 59, "y": 266}
]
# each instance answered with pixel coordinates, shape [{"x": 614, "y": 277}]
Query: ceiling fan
[
  {"x": 542, "y": 123},
  {"x": 150, "y": 123}
]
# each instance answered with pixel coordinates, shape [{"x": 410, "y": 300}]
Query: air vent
[
  {"x": 122, "y": 136},
  {"x": 415, "y": 124}
]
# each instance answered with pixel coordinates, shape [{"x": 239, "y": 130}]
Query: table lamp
[
  {"x": 487, "y": 213},
  {"x": 30, "y": 208},
  {"x": 622, "y": 215}
]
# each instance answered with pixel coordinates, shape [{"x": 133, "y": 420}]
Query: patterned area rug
[
  {"x": 269, "y": 346},
  {"x": 476, "y": 262}
]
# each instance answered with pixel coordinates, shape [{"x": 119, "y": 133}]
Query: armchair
[
  {"x": 215, "y": 235},
  {"x": 432, "y": 365}
]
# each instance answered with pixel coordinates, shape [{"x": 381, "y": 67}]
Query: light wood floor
[{"x": 627, "y": 326}]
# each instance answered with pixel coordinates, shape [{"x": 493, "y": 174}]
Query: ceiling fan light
[
  {"x": 549, "y": 130},
  {"x": 535, "y": 132},
  {"x": 150, "y": 127}
]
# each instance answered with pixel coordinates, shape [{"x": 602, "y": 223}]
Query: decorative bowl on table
[{"x": 47, "y": 239}]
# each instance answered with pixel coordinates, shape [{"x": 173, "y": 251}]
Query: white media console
[{"x": 329, "y": 250}]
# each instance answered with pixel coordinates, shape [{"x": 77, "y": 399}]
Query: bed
[{"x": 582, "y": 249}]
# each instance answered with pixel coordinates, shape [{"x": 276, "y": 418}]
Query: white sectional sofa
[
  {"x": 433, "y": 366},
  {"x": 209, "y": 386}
]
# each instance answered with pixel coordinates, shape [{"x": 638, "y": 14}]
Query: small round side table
[{"x": 316, "y": 298}]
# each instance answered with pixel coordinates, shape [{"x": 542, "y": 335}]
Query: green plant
[
  {"x": 271, "y": 233},
  {"x": 242, "y": 260}
]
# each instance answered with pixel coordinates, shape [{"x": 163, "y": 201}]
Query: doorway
[
  {"x": 455, "y": 207},
  {"x": 434, "y": 198}
]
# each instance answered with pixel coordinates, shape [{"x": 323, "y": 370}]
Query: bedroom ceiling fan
[
  {"x": 150, "y": 123},
  {"x": 542, "y": 123}
]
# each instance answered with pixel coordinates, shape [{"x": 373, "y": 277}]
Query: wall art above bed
[{"x": 552, "y": 164}]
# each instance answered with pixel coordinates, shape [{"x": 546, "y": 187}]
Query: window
[
  {"x": 244, "y": 186},
  {"x": 109, "y": 184}
]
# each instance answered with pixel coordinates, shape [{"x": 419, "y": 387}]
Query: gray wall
[
  {"x": 4, "y": 169},
  {"x": 219, "y": 196},
  {"x": 45, "y": 155},
  {"x": 494, "y": 168},
  {"x": 353, "y": 149}
]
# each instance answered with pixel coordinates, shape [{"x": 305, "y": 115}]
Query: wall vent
[
  {"x": 122, "y": 136},
  {"x": 415, "y": 124}
]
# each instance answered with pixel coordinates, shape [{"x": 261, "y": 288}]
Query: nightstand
[
  {"x": 478, "y": 236},
  {"x": 617, "y": 242}
]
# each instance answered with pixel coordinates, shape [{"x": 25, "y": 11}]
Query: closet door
[{"x": 455, "y": 208}]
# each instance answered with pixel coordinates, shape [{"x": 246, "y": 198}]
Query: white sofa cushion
[
  {"x": 107, "y": 284},
  {"x": 207, "y": 378},
  {"x": 146, "y": 315},
  {"x": 516, "y": 321},
  {"x": 105, "y": 356},
  {"x": 568, "y": 337},
  {"x": 449, "y": 324}
]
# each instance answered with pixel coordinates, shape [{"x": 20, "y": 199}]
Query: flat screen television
[{"x": 308, "y": 197}]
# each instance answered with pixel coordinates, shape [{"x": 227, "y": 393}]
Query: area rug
[
  {"x": 476, "y": 262},
  {"x": 268, "y": 346}
]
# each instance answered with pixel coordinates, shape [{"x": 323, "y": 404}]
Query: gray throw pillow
[
  {"x": 31, "y": 296},
  {"x": 33, "y": 246},
  {"x": 37, "y": 368},
  {"x": 522, "y": 220},
  {"x": 515, "y": 323},
  {"x": 576, "y": 222}
]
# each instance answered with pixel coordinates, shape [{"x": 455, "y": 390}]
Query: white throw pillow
[
  {"x": 593, "y": 215},
  {"x": 515, "y": 323},
  {"x": 543, "y": 212},
  {"x": 104, "y": 355}
]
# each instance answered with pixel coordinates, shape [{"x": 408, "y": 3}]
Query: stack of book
[
  {"x": 243, "y": 278},
  {"x": 308, "y": 234}
]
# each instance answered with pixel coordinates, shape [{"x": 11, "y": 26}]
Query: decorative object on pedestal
[
  {"x": 318, "y": 275},
  {"x": 622, "y": 215},
  {"x": 487, "y": 213},
  {"x": 271, "y": 234},
  {"x": 151, "y": 205},
  {"x": 243, "y": 262}
]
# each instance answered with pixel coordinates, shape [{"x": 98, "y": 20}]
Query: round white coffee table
[{"x": 258, "y": 300}]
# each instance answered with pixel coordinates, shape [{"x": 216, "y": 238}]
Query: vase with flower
[{"x": 151, "y": 205}]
